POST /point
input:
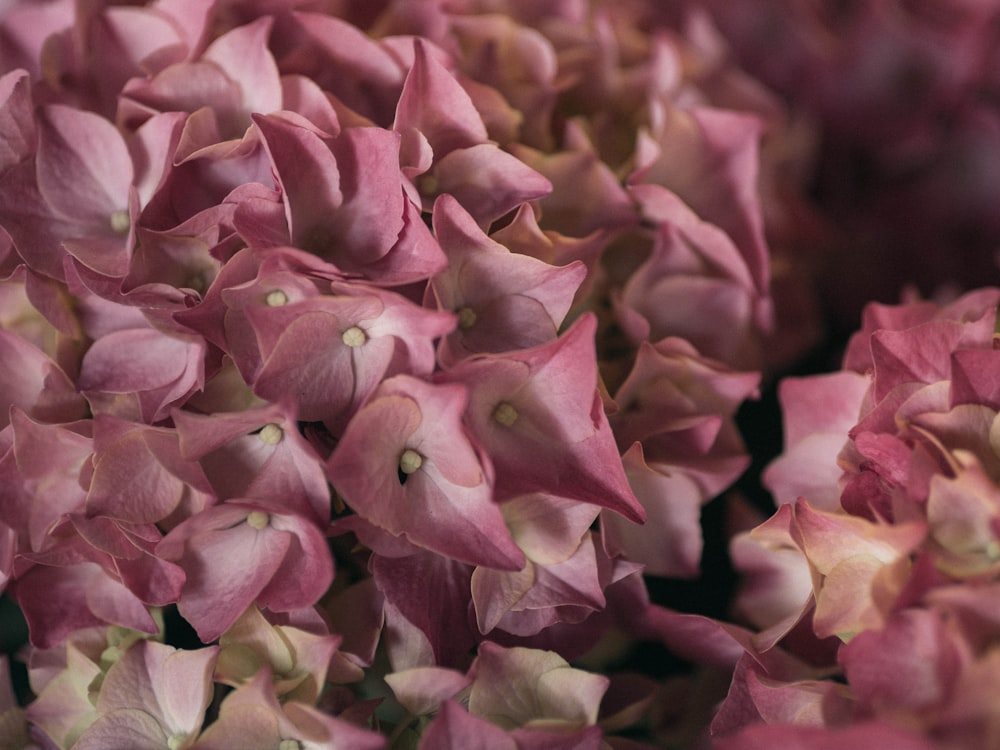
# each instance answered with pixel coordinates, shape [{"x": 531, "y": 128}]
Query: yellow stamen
[
  {"x": 120, "y": 222},
  {"x": 354, "y": 336},
  {"x": 505, "y": 414},
  {"x": 466, "y": 318},
  {"x": 258, "y": 519},
  {"x": 276, "y": 298},
  {"x": 271, "y": 434},
  {"x": 410, "y": 461}
]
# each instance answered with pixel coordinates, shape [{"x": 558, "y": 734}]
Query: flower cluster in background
[{"x": 365, "y": 368}]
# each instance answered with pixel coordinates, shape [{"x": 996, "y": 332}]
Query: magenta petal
[
  {"x": 163, "y": 369},
  {"x": 370, "y": 219},
  {"x": 307, "y": 172},
  {"x": 228, "y": 563},
  {"x": 434, "y": 103},
  {"x": 455, "y": 727},
  {"x": 84, "y": 168},
  {"x": 443, "y": 499},
  {"x": 539, "y": 416},
  {"x": 505, "y": 300},
  {"x": 58, "y": 600},
  {"x": 17, "y": 126},
  {"x": 305, "y": 572},
  {"x": 974, "y": 378},
  {"x": 572, "y": 582},
  {"x": 670, "y": 542},
  {"x": 40, "y": 477},
  {"x": 865, "y": 734},
  {"x": 329, "y": 378},
  {"x": 139, "y": 475},
  {"x": 243, "y": 54},
  {"x": 30, "y": 381},
  {"x": 488, "y": 182},
  {"x": 256, "y": 454},
  {"x": 910, "y": 665},
  {"x": 432, "y": 593}
]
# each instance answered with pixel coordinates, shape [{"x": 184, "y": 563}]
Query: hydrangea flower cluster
[
  {"x": 365, "y": 367},
  {"x": 360, "y": 340},
  {"x": 874, "y": 586}
]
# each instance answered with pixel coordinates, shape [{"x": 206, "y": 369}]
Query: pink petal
[
  {"x": 243, "y": 54},
  {"x": 17, "y": 126},
  {"x": 434, "y": 103},
  {"x": 488, "y": 182},
  {"x": 455, "y": 727},
  {"x": 84, "y": 168}
]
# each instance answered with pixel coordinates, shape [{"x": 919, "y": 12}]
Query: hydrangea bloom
[
  {"x": 361, "y": 362},
  {"x": 902, "y": 552}
]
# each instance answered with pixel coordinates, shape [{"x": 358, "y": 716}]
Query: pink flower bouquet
[{"x": 376, "y": 375}]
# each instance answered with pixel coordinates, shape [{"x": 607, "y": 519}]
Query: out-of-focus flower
[{"x": 900, "y": 449}]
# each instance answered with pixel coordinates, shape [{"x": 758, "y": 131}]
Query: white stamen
[
  {"x": 270, "y": 434},
  {"x": 354, "y": 336},
  {"x": 120, "y": 222},
  {"x": 410, "y": 461},
  {"x": 276, "y": 298},
  {"x": 505, "y": 414},
  {"x": 258, "y": 519},
  {"x": 466, "y": 318}
]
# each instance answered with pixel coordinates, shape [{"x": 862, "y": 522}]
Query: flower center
[
  {"x": 289, "y": 745},
  {"x": 276, "y": 298},
  {"x": 505, "y": 414},
  {"x": 466, "y": 318},
  {"x": 120, "y": 222},
  {"x": 428, "y": 184},
  {"x": 258, "y": 519},
  {"x": 270, "y": 434},
  {"x": 354, "y": 336},
  {"x": 175, "y": 741},
  {"x": 410, "y": 461}
]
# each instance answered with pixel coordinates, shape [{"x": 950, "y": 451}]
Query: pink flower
[
  {"x": 140, "y": 475},
  {"x": 445, "y": 146},
  {"x": 540, "y": 418},
  {"x": 520, "y": 687},
  {"x": 503, "y": 300},
  {"x": 153, "y": 695},
  {"x": 154, "y": 370},
  {"x": 237, "y": 553},
  {"x": 298, "y": 659},
  {"x": 859, "y": 567},
  {"x": 818, "y": 412},
  {"x": 696, "y": 264},
  {"x": 81, "y": 182},
  {"x": 328, "y": 353},
  {"x": 59, "y": 595},
  {"x": 406, "y": 464},
  {"x": 251, "y": 717},
  {"x": 43, "y": 473},
  {"x": 867, "y": 734},
  {"x": 256, "y": 454},
  {"x": 527, "y": 601},
  {"x": 234, "y": 77},
  {"x": 344, "y": 201}
]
